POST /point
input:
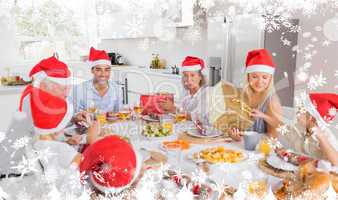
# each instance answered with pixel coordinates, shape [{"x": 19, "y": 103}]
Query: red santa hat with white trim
[
  {"x": 192, "y": 64},
  {"x": 259, "y": 60},
  {"x": 322, "y": 106},
  {"x": 98, "y": 57},
  {"x": 50, "y": 113},
  {"x": 111, "y": 164}
]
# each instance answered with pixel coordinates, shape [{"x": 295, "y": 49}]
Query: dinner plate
[
  {"x": 210, "y": 133},
  {"x": 279, "y": 163},
  {"x": 190, "y": 154},
  {"x": 149, "y": 119}
]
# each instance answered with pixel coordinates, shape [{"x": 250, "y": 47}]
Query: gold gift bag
[{"x": 228, "y": 108}]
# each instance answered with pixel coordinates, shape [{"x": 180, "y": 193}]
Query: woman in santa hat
[
  {"x": 311, "y": 134},
  {"x": 194, "y": 83},
  {"x": 260, "y": 94}
]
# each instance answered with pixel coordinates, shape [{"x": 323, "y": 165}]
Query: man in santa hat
[
  {"x": 99, "y": 93},
  {"x": 312, "y": 132},
  {"x": 45, "y": 112}
]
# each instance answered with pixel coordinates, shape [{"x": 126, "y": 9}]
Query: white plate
[
  {"x": 209, "y": 133},
  {"x": 199, "y": 160},
  {"x": 149, "y": 119},
  {"x": 279, "y": 163}
]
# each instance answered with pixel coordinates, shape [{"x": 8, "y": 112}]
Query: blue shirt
[{"x": 85, "y": 96}]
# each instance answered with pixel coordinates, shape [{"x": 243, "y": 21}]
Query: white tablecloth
[{"x": 229, "y": 174}]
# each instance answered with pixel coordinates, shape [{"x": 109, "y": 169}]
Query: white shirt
[{"x": 194, "y": 104}]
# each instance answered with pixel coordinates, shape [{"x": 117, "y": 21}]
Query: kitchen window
[{"x": 42, "y": 27}]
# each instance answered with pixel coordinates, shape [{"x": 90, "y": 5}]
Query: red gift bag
[{"x": 150, "y": 102}]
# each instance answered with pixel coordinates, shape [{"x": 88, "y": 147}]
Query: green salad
[{"x": 151, "y": 130}]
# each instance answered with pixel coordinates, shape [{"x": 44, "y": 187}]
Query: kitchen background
[{"x": 216, "y": 31}]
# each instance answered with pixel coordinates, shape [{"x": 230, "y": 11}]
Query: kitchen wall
[{"x": 191, "y": 40}]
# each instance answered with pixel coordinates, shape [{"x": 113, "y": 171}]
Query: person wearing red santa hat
[
  {"x": 194, "y": 83},
  {"x": 45, "y": 103},
  {"x": 110, "y": 164},
  {"x": 99, "y": 93},
  {"x": 260, "y": 93},
  {"x": 312, "y": 133}
]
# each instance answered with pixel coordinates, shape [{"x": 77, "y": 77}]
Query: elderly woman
[{"x": 194, "y": 84}]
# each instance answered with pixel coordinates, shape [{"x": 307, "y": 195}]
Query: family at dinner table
[{"x": 50, "y": 104}]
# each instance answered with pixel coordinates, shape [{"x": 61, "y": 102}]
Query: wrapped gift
[
  {"x": 150, "y": 102},
  {"x": 228, "y": 108}
]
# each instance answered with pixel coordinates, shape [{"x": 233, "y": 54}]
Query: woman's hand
[
  {"x": 235, "y": 134},
  {"x": 167, "y": 106},
  {"x": 258, "y": 114}
]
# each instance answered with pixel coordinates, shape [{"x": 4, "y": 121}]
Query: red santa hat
[
  {"x": 111, "y": 164},
  {"x": 50, "y": 113},
  {"x": 98, "y": 57},
  {"x": 192, "y": 64},
  {"x": 259, "y": 60},
  {"x": 322, "y": 106}
]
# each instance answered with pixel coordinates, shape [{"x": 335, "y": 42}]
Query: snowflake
[
  {"x": 2, "y": 136},
  {"x": 26, "y": 165},
  {"x": 135, "y": 26},
  {"x": 302, "y": 76},
  {"x": 308, "y": 56},
  {"x": 283, "y": 129},
  {"x": 285, "y": 41},
  {"x": 332, "y": 111},
  {"x": 316, "y": 81},
  {"x": 326, "y": 43},
  {"x": 21, "y": 142}
]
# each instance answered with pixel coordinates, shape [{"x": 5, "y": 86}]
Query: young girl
[
  {"x": 260, "y": 94},
  {"x": 311, "y": 134}
]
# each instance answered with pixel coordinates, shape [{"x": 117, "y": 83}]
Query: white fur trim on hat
[
  {"x": 119, "y": 189},
  {"x": 191, "y": 68},
  {"x": 64, "y": 122},
  {"x": 313, "y": 111},
  {"x": 38, "y": 77},
  {"x": 260, "y": 68},
  {"x": 99, "y": 62}
]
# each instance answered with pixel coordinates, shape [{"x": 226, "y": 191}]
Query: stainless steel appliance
[{"x": 231, "y": 38}]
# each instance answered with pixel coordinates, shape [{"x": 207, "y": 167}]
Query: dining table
[{"x": 229, "y": 174}]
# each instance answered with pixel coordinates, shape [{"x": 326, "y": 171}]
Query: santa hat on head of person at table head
[
  {"x": 111, "y": 164},
  {"x": 193, "y": 64},
  {"x": 322, "y": 106},
  {"x": 98, "y": 57},
  {"x": 259, "y": 60},
  {"x": 50, "y": 113}
]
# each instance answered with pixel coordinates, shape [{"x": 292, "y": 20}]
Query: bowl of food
[{"x": 155, "y": 131}]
